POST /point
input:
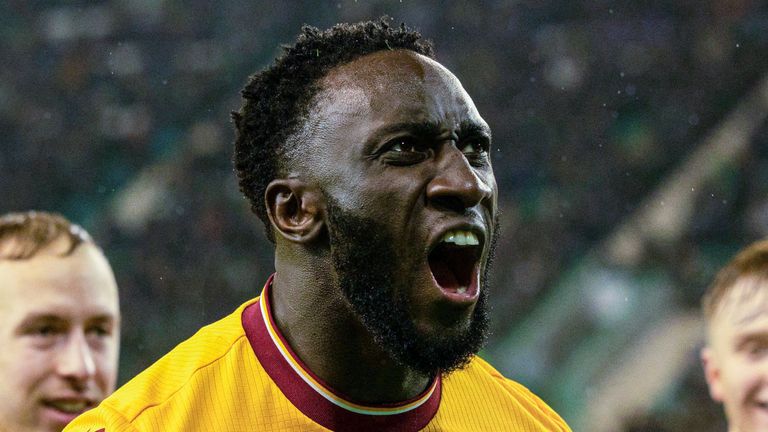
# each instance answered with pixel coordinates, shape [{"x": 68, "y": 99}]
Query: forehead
[
  {"x": 400, "y": 83},
  {"x": 74, "y": 286},
  {"x": 744, "y": 307}
]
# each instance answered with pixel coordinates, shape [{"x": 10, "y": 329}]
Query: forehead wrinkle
[
  {"x": 747, "y": 301},
  {"x": 752, "y": 315}
]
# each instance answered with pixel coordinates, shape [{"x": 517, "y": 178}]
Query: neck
[{"x": 317, "y": 322}]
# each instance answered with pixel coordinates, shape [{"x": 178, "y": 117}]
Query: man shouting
[{"x": 370, "y": 167}]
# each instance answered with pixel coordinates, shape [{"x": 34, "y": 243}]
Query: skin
[
  {"x": 736, "y": 357},
  {"x": 59, "y": 332},
  {"x": 365, "y": 150}
]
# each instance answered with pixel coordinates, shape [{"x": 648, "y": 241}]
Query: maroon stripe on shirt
[{"x": 312, "y": 403}]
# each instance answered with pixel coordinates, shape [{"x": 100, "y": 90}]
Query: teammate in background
[
  {"x": 370, "y": 167},
  {"x": 736, "y": 355},
  {"x": 59, "y": 323}
]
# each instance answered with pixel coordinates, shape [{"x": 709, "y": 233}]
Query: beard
[{"x": 375, "y": 288}]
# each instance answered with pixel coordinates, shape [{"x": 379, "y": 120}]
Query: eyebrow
[
  {"x": 37, "y": 318},
  {"x": 429, "y": 129},
  {"x": 469, "y": 128},
  {"x": 744, "y": 338},
  {"x": 418, "y": 128}
]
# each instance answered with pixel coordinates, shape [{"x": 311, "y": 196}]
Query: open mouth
[{"x": 454, "y": 263}]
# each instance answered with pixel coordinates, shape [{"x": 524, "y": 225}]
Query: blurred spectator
[
  {"x": 59, "y": 323},
  {"x": 736, "y": 356}
]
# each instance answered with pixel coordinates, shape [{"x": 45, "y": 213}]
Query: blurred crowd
[{"x": 116, "y": 114}]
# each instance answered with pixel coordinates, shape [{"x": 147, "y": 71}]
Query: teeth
[
  {"x": 461, "y": 290},
  {"x": 70, "y": 407},
  {"x": 460, "y": 238}
]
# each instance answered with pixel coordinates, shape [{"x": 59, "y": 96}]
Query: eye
[
  {"x": 756, "y": 349},
  {"x": 475, "y": 146},
  {"x": 405, "y": 151},
  {"x": 475, "y": 150},
  {"x": 43, "y": 334},
  {"x": 405, "y": 145},
  {"x": 43, "y": 331},
  {"x": 99, "y": 331}
]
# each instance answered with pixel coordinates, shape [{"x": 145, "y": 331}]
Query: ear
[
  {"x": 712, "y": 373},
  {"x": 294, "y": 209}
]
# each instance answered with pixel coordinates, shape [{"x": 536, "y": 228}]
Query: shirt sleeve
[{"x": 100, "y": 419}]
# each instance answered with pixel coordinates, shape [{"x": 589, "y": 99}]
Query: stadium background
[{"x": 631, "y": 155}]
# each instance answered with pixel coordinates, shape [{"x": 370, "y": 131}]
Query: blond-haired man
[
  {"x": 736, "y": 355},
  {"x": 59, "y": 322}
]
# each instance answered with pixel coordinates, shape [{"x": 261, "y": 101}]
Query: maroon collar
[{"x": 315, "y": 398}]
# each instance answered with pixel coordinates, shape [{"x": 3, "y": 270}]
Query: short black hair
[{"x": 277, "y": 99}]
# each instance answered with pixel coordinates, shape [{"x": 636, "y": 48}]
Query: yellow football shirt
[{"x": 239, "y": 374}]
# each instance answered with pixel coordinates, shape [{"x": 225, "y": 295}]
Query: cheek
[
  {"x": 743, "y": 378},
  {"x": 106, "y": 368},
  {"x": 22, "y": 369},
  {"x": 391, "y": 204}
]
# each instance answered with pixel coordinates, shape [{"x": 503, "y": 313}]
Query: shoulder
[
  {"x": 171, "y": 380},
  {"x": 500, "y": 396},
  {"x": 511, "y": 386}
]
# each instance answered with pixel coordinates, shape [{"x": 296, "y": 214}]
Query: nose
[
  {"x": 457, "y": 186},
  {"x": 76, "y": 361}
]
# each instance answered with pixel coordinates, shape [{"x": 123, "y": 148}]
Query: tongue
[{"x": 444, "y": 275}]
